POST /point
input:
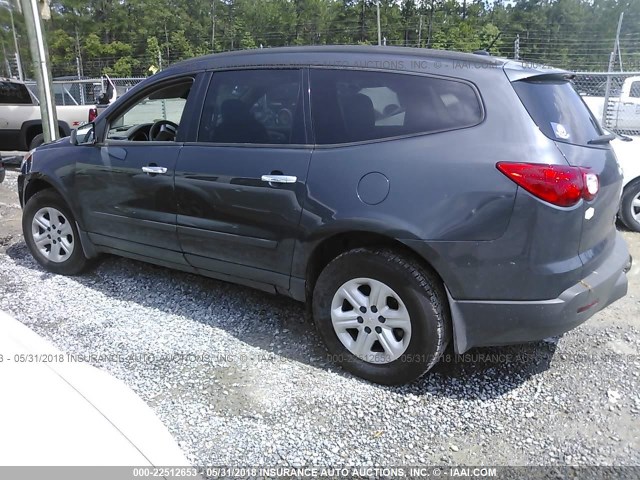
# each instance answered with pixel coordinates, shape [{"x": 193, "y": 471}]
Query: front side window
[
  {"x": 353, "y": 106},
  {"x": 14, "y": 94},
  {"x": 254, "y": 107},
  {"x": 635, "y": 90},
  {"x": 156, "y": 117}
]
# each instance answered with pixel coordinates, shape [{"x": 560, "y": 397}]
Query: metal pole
[
  {"x": 379, "y": 32},
  {"x": 617, "y": 46},
  {"x": 612, "y": 59},
  {"x": 605, "y": 107},
  {"x": 15, "y": 43},
  {"x": 420, "y": 33},
  {"x": 6, "y": 60},
  {"x": 39, "y": 54}
]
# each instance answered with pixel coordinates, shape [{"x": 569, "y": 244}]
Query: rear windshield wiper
[
  {"x": 607, "y": 137},
  {"x": 601, "y": 139}
]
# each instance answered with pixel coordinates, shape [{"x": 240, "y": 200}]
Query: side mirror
[{"x": 84, "y": 135}]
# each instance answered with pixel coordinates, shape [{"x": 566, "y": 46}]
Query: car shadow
[{"x": 283, "y": 327}]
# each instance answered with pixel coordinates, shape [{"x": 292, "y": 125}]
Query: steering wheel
[{"x": 163, "y": 126}]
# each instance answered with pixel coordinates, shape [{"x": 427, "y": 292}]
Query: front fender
[{"x": 46, "y": 168}]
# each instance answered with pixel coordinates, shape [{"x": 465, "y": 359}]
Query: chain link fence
[
  {"x": 87, "y": 91},
  {"x": 614, "y": 99}
]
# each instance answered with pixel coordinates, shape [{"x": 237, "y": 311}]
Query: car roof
[
  {"x": 321, "y": 55},
  {"x": 363, "y": 56}
]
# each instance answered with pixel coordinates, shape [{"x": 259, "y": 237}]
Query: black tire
[
  {"x": 76, "y": 262},
  {"x": 419, "y": 289},
  {"x": 631, "y": 192},
  {"x": 37, "y": 141}
]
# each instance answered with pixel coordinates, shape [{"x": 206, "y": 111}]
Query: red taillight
[
  {"x": 93, "y": 113},
  {"x": 560, "y": 185}
]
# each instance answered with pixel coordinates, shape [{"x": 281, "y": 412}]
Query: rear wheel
[
  {"x": 630, "y": 206},
  {"x": 51, "y": 234},
  {"x": 382, "y": 316}
]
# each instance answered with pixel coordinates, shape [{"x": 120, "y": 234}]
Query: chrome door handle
[
  {"x": 279, "y": 178},
  {"x": 154, "y": 169}
]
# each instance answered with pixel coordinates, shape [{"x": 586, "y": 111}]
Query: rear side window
[
  {"x": 558, "y": 110},
  {"x": 353, "y": 106},
  {"x": 254, "y": 106},
  {"x": 14, "y": 94}
]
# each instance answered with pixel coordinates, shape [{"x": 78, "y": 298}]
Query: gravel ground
[{"x": 240, "y": 377}]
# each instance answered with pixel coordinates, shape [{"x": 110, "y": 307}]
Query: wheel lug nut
[
  {"x": 374, "y": 309},
  {"x": 381, "y": 319},
  {"x": 363, "y": 309},
  {"x": 367, "y": 329},
  {"x": 378, "y": 329},
  {"x": 360, "y": 319}
]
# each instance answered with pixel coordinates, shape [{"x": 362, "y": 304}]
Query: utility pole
[
  {"x": 379, "y": 32},
  {"x": 420, "y": 33},
  {"x": 213, "y": 26},
  {"x": 430, "y": 24},
  {"x": 39, "y": 54},
  {"x": 79, "y": 55}
]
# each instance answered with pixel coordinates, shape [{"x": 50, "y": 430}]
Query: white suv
[{"x": 628, "y": 154}]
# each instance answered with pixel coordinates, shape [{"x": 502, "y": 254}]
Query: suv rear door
[
  {"x": 241, "y": 186},
  {"x": 562, "y": 115}
]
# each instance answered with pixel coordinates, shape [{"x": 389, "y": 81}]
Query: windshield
[{"x": 558, "y": 110}]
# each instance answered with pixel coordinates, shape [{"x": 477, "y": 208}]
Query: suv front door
[
  {"x": 240, "y": 188},
  {"x": 125, "y": 186}
]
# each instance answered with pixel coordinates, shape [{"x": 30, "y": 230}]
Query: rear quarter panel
[{"x": 448, "y": 202}]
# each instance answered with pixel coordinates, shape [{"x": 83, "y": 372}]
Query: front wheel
[
  {"x": 51, "y": 234},
  {"x": 630, "y": 206},
  {"x": 382, "y": 315}
]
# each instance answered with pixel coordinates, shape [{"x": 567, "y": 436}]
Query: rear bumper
[{"x": 492, "y": 323}]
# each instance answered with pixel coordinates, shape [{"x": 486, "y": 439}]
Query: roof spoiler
[{"x": 522, "y": 70}]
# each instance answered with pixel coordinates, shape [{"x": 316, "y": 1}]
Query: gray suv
[{"x": 411, "y": 197}]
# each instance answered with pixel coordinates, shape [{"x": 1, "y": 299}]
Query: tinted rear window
[
  {"x": 14, "y": 94},
  {"x": 353, "y": 106},
  {"x": 558, "y": 110}
]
